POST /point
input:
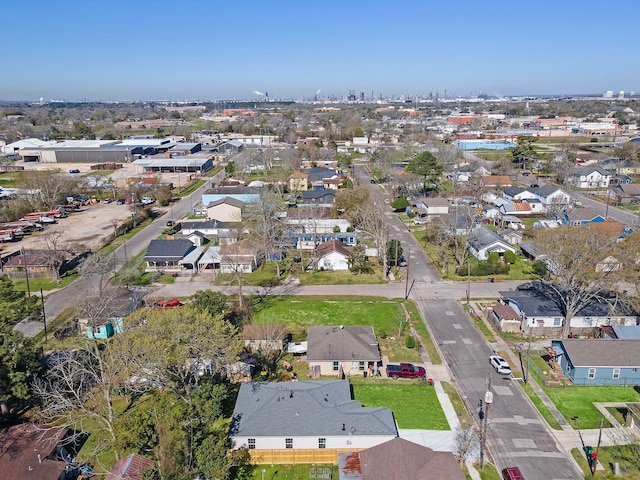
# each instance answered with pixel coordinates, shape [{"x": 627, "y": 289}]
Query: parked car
[
  {"x": 169, "y": 223},
  {"x": 405, "y": 370},
  {"x": 500, "y": 364},
  {"x": 107, "y": 200},
  {"x": 174, "y": 302},
  {"x": 512, "y": 473},
  {"x": 147, "y": 200},
  {"x": 120, "y": 201},
  {"x": 74, "y": 170}
]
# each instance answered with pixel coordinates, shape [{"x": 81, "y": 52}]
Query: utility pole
[
  {"x": 406, "y": 280},
  {"x": 26, "y": 271},
  {"x": 488, "y": 400},
  {"x": 468, "y": 282},
  {"x": 44, "y": 318},
  {"x": 594, "y": 462}
]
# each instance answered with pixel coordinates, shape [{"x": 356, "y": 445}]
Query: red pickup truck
[{"x": 405, "y": 370}]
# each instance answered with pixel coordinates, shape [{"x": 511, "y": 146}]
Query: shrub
[
  {"x": 336, "y": 229},
  {"x": 410, "y": 342},
  {"x": 510, "y": 257},
  {"x": 400, "y": 204},
  {"x": 350, "y": 229}
]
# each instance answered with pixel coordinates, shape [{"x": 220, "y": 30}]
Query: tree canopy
[{"x": 426, "y": 166}]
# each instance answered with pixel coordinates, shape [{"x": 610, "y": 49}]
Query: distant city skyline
[{"x": 201, "y": 50}]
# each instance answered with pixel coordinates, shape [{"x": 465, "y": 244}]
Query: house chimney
[{"x": 39, "y": 459}]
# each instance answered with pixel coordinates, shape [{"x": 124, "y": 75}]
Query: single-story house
[
  {"x": 226, "y": 209},
  {"x": 130, "y": 467},
  {"x": 433, "y": 206},
  {"x": 496, "y": 181},
  {"x": 211, "y": 229},
  {"x": 308, "y": 415},
  {"x": 599, "y": 361},
  {"x": 309, "y": 241},
  {"x": 240, "y": 257},
  {"x": 35, "y": 262},
  {"x": 551, "y": 195},
  {"x": 513, "y": 237},
  {"x": 518, "y": 193},
  {"x": 333, "y": 255},
  {"x": 509, "y": 221},
  {"x": 399, "y": 459},
  {"x": 626, "y": 193},
  {"x": 166, "y": 254},
  {"x": 342, "y": 350},
  {"x": 543, "y": 314},
  {"x": 483, "y": 242},
  {"x": 581, "y": 216},
  {"x": 31, "y": 451},
  {"x": 515, "y": 208},
  {"x": 319, "y": 198},
  {"x": 505, "y": 319}
]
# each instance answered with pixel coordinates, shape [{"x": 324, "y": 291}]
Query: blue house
[
  {"x": 599, "y": 361},
  {"x": 105, "y": 328},
  {"x": 581, "y": 216}
]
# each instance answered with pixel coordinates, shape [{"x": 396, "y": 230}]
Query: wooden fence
[{"x": 291, "y": 456}]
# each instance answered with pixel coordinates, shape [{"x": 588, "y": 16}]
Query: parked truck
[{"x": 406, "y": 370}]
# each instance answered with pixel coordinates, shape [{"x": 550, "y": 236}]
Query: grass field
[
  {"x": 414, "y": 405},
  {"x": 579, "y": 402}
]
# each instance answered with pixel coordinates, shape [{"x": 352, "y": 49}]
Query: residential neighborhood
[{"x": 228, "y": 290}]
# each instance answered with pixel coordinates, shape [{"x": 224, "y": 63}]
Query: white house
[
  {"x": 305, "y": 415},
  {"x": 333, "y": 255},
  {"x": 590, "y": 177},
  {"x": 518, "y": 193},
  {"x": 483, "y": 242},
  {"x": 552, "y": 195},
  {"x": 541, "y": 312}
]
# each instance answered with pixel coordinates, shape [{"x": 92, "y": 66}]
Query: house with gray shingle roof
[
  {"x": 166, "y": 254},
  {"x": 483, "y": 242},
  {"x": 306, "y": 415},
  {"x": 336, "y": 350},
  {"x": 589, "y": 177},
  {"x": 599, "y": 361}
]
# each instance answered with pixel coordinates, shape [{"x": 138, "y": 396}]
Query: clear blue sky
[{"x": 220, "y": 49}]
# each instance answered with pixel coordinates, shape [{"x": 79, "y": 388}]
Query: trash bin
[
  {"x": 364, "y": 374},
  {"x": 493, "y": 279}
]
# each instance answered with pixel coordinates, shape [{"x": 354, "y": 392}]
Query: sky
[{"x": 227, "y": 50}]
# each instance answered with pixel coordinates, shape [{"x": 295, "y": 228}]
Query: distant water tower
[{"x": 621, "y": 95}]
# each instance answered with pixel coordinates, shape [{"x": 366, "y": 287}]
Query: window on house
[
  {"x": 592, "y": 373},
  {"x": 616, "y": 373},
  {"x": 361, "y": 366},
  {"x": 252, "y": 443},
  {"x": 557, "y": 321},
  {"x": 322, "y": 443},
  {"x": 336, "y": 366},
  {"x": 288, "y": 442}
]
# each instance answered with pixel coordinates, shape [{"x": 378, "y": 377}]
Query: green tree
[
  {"x": 426, "y": 166},
  {"x": 19, "y": 360},
  {"x": 358, "y": 262},
  {"x": 394, "y": 252},
  {"x": 15, "y": 305},
  {"x": 348, "y": 201},
  {"x": 524, "y": 151},
  {"x": 400, "y": 204},
  {"x": 210, "y": 302}
]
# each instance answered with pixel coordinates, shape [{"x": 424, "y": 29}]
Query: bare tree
[
  {"x": 266, "y": 225},
  {"x": 52, "y": 240},
  {"x": 370, "y": 220},
  {"x": 97, "y": 266},
  {"x": 573, "y": 256},
  {"x": 465, "y": 443}
]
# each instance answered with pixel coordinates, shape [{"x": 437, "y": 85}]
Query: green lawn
[
  {"x": 46, "y": 284},
  {"x": 414, "y": 405},
  {"x": 382, "y": 314},
  {"x": 340, "y": 278},
  {"x": 284, "y": 472},
  {"x": 421, "y": 329},
  {"x": 579, "y": 401}
]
